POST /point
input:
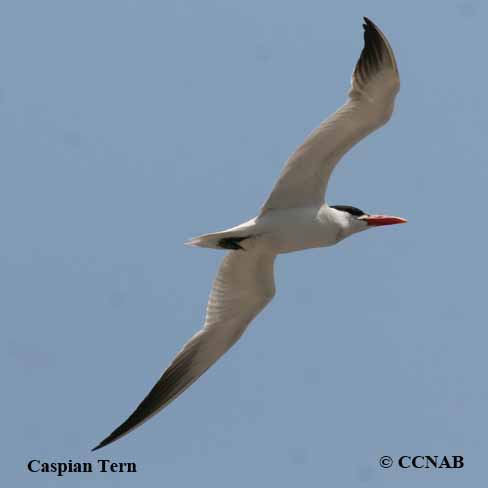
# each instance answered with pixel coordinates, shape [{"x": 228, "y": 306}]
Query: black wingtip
[
  {"x": 97, "y": 447},
  {"x": 108, "y": 440},
  {"x": 373, "y": 53},
  {"x": 368, "y": 24}
]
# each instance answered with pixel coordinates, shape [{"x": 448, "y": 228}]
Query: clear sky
[{"x": 127, "y": 127}]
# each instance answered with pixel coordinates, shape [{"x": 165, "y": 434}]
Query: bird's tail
[
  {"x": 227, "y": 239},
  {"x": 206, "y": 240}
]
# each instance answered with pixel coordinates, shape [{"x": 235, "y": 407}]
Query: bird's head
[{"x": 353, "y": 219}]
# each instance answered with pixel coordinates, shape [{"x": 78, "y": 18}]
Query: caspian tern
[{"x": 293, "y": 218}]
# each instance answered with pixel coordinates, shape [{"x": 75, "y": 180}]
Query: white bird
[{"x": 293, "y": 218}]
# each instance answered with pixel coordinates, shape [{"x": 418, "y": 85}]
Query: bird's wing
[
  {"x": 375, "y": 83},
  {"x": 243, "y": 287}
]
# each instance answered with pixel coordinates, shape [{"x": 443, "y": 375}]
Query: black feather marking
[
  {"x": 373, "y": 53},
  {"x": 232, "y": 242},
  {"x": 357, "y": 212},
  {"x": 174, "y": 379}
]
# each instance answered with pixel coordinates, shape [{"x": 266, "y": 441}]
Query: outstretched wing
[
  {"x": 243, "y": 287},
  {"x": 375, "y": 83}
]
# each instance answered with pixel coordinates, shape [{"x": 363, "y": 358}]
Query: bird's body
[
  {"x": 293, "y": 218},
  {"x": 295, "y": 229},
  {"x": 283, "y": 230}
]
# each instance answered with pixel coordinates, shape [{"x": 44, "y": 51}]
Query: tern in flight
[{"x": 294, "y": 217}]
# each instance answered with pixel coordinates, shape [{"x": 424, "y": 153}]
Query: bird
[{"x": 294, "y": 217}]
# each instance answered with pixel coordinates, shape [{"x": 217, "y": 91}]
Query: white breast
[{"x": 295, "y": 229}]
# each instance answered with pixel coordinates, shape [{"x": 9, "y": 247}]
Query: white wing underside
[
  {"x": 375, "y": 83},
  {"x": 243, "y": 287}
]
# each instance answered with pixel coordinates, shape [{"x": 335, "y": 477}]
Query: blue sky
[{"x": 127, "y": 127}]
